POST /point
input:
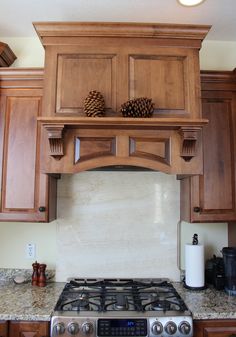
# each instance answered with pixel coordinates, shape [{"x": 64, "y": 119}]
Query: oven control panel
[
  {"x": 163, "y": 326},
  {"x": 121, "y": 327}
]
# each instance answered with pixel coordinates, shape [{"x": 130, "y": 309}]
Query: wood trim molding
[
  {"x": 214, "y": 76},
  {"x": 170, "y": 123},
  {"x": 21, "y": 78},
  {"x": 189, "y": 140},
  {"x": 188, "y": 129},
  {"x": 47, "y": 31},
  {"x": 55, "y": 137}
]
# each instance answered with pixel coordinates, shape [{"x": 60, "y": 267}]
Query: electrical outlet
[{"x": 30, "y": 251}]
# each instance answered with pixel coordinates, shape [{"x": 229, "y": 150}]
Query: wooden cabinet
[
  {"x": 122, "y": 61},
  {"x": 214, "y": 328},
  {"x": 98, "y": 142},
  {"x": 3, "y": 329},
  {"x": 211, "y": 197},
  {"x": 25, "y": 192},
  {"x": 29, "y": 329}
]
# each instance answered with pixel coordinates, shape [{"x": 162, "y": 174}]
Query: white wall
[
  {"x": 78, "y": 242},
  {"x": 29, "y": 51},
  {"x": 218, "y": 55},
  {"x": 14, "y": 237}
]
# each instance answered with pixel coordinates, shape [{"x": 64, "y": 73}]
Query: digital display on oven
[{"x": 122, "y": 327}]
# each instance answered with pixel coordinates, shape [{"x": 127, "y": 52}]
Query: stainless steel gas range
[{"x": 121, "y": 307}]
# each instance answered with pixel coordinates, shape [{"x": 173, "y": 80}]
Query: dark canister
[{"x": 229, "y": 257}]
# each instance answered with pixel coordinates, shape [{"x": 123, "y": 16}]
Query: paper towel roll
[{"x": 194, "y": 266}]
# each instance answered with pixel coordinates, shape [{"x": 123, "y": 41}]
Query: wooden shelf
[
  {"x": 172, "y": 123},
  {"x": 187, "y": 130}
]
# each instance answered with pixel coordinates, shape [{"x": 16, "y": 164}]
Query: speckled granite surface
[
  {"x": 26, "y": 302},
  {"x": 8, "y": 274},
  {"x": 209, "y": 303}
]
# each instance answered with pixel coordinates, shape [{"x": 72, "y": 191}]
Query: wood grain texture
[
  {"x": 115, "y": 29},
  {"x": 211, "y": 197},
  {"x": 149, "y": 153},
  {"x": 28, "y": 329},
  {"x": 214, "y": 328},
  {"x": 23, "y": 188},
  {"x": 3, "y": 328},
  {"x": 123, "y": 61}
]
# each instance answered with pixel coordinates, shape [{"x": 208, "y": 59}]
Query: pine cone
[
  {"x": 138, "y": 107},
  {"x": 94, "y": 104}
]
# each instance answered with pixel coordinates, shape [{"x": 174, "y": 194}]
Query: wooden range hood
[{"x": 122, "y": 61}]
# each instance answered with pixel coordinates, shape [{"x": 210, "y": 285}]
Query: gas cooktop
[{"x": 121, "y": 307}]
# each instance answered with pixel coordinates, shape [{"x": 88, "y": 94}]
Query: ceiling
[{"x": 16, "y": 16}]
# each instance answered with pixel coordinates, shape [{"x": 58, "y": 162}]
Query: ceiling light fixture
[{"x": 190, "y": 3}]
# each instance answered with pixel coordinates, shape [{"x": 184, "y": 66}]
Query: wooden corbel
[
  {"x": 189, "y": 136},
  {"x": 55, "y": 137}
]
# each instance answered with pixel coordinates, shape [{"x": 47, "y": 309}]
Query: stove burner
[
  {"x": 161, "y": 305},
  {"x": 159, "y": 302},
  {"x": 121, "y": 302},
  {"x": 82, "y": 303}
]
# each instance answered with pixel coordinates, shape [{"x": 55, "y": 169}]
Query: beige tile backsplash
[{"x": 117, "y": 224}]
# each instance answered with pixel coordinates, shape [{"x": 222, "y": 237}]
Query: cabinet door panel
[
  {"x": 218, "y": 177},
  {"x": 211, "y": 197},
  {"x": 3, "y": 329},
  {"x": 219, "y": 332},
  {"x": 23, "y": 188},
  {"x": 28, "y": 329},
  {"x": 158, "y": 77},
  {"x": 20, "y": 150},
  {"x": 215, "y": 328}
]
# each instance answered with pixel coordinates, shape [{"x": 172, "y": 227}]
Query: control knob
[
  {"x": 185, "y": 328},
  {"x": 58, "y": 329},
  {"x": 73, "y": 328},
  {"x": 157, "y": 328},
  {"x": 87, "y": 328},
  {"x": 170, "y": 328}
]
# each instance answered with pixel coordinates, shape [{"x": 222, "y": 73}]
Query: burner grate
[{"x": 119, "y": 295}]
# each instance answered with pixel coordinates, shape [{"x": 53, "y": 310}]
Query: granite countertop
[
  {"x": 27, "y": 302},
  {"x": 209, "y": 303}
]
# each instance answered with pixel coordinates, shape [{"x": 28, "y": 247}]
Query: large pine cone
[
  {"x": 94, "y": 104},
  {"x": 138, "y": 107}
]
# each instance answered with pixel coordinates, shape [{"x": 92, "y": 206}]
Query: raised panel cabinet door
[
  {"x": 122, "y": 61},
  {"x": 25, "y": 191},
  {"x": 215, "y": 328},
  {"x": 3, "y": 329},
  {"x": 211, "y": 197},
  {"x": 28, "y": 329},
  {"x": 215, "y": 189}
]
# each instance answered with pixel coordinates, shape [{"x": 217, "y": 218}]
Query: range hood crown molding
[{"x": 48, "y": 31}]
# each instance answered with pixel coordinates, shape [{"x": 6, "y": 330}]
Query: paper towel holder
[{"x": 194, "y": 243}]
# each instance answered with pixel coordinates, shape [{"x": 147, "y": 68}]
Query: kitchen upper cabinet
[
  {"x": 122, "y": 61},
  {"x": 28, "y": 329},
  {"x": 211, "y": 197},
  {"x": 25, "y": 192},
  {"x": 3, "y": 329},
  {"x": 214, "y": 328}
]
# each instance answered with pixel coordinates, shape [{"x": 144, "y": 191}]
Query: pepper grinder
[
  {"x": 42, "y": 275},
  {"x": 35, "y": 275}
]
